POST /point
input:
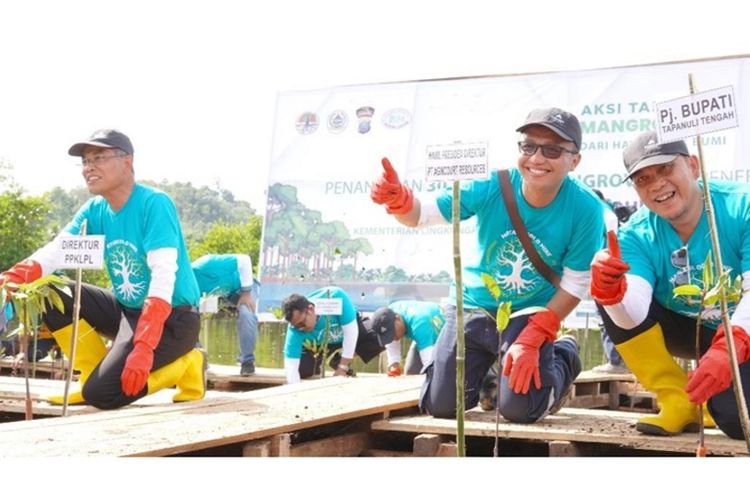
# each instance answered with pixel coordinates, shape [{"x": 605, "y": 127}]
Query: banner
[{"x": 321, "y": 227}]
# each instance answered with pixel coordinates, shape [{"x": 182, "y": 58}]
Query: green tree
[
  {"x": 201, "y": 208},
  {"x": 23, "y": 221},
  {"x": 224, "y": 238}
]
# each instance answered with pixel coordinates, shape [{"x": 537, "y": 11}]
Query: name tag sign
[
  {"x": 209, "y": 304},
  {"x": 695, "y": 114},
  {"x": 330, "y": 307},
  {"x": 457, "y": 162},
  {"x": 81, "y": 252}
]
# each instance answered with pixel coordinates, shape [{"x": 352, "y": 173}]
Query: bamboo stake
[
  {"x": 460, "y": 347},
  {"x": 76, "y": 315},
  {"x": 324, "y": 352},
  {"x": 29, "y": 413},
  {"x": 735, "y": 370}
]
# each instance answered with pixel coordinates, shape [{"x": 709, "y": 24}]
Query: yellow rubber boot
[
  {"x": 708, "y": 420},
  {"x": 185, "y": 372},
  {"x": 647, "y": 357},
  {"x": 90, "y": 350}
]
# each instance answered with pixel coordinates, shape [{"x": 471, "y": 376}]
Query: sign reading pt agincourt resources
[
  {"x": 457, "y": 162},
  {"x": 84, "y": 252},
  {"x": 696, "y": 114}
]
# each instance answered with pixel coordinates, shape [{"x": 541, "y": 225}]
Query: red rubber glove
[
  {"x": 147, "y": 335},
  {"x": 389, "y": 191},
  {"x": 713, "y": 374},
  {"x": 608, "y": 283},
  {"x": 522, "y": 360},
  {"x": 394, "y": 370},
  {"x": 25, "y": 271}
]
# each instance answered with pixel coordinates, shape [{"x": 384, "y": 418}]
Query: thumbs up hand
[
  {"x": 389, "y": 191},
  {"x": 608, "y": 283}
]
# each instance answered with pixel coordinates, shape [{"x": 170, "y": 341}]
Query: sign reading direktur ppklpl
[
  {"x": 84, "y": 252},
  {"x": 696, "y": 114},
  {"x": 460, "y": 161}
]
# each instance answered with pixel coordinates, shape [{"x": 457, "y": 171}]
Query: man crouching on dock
[{"x": 151, "y": 312}]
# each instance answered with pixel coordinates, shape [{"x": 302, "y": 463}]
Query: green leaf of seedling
[
  {"x": 503, "y": 316},
  {"x": 708, "y": 271},
  {"x": 56, "y": 301},
  {"x": 491, "y": 285},
  {"x": 687, "y": 291}
]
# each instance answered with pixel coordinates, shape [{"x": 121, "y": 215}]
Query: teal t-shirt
[
  {"x": 296, "y": 339},
  {"x": 148, "y": 221},
  {"x": 647, "y": 243},
  {"x": 217, "y": 275},
  {"x": 566, "y": 233},
  {"x": 423, "y": 321}
]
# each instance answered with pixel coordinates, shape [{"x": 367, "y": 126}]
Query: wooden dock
[
  {"x": 257, "y": 422},
  {"x": 45, "y": 368},
  {"x": 370, "y": 415},
  {"x": 571, "y": 432}
]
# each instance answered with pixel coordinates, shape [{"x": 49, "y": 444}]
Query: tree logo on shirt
[
  {"x": 337, "y": 335},
  {"x": 128, "y": 274},
  {"x": 514, "y": 272}
]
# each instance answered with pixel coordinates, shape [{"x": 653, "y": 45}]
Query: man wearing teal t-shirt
[
  {"x": 564, "y": 221},
  {"x": 664, "y": 245},
  {"x": 151, "y": 313},
  {"x": 306, "y": 332},
  {"x": 413, "y": 320},
  {"x": 230, "y": 277}
]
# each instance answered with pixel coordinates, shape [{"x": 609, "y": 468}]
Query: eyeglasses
[
  {"x": 549, "y": 151},
  {"x": 97, "y": 160},
  {"x": 681, "y": 261},
  {"x": 641, "y": 180}
]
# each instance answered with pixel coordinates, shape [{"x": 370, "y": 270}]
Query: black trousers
[{"x": 100, "y": 308}]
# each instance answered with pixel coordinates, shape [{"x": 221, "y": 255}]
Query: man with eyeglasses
[
  {"x": 565, "y": 222},
  {"x": 305, "y": 335},
  {"x": 150, "y": 313},
  {"x": 664, "y": 245}
]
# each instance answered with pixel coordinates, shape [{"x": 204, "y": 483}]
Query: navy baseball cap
[{"x": 383, "y": 323}]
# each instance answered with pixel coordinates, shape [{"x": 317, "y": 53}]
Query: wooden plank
[
  {"x": 258, "y": 448},
  {"x": 228, "y": 374},
  {"x": 386, "y": 453},
  {"x": 447, "y": 450},
  {"x": 570, "y": 424},
  {"x": 347, "y": 445},
  {"x": 218, "y": 420},
  {"x": 45, "y": 367},
  {"x": 280, "y": 445},
  {"x": 589, "y": 401},
  {"x": 563, "y": 449},
  {"x": 427, "y": 445}
]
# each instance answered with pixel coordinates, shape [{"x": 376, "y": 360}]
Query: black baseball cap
[
  {"x": 383, "y": 323},
  {"x": 557, "y": 120},
  {"x": 646, "y": 151},
  {"x": 104, "y": 138}
]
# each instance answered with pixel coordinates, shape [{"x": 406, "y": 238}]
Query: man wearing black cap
[
  {"x": 565, "y": 223},
  {"x": 150, "y": 313},
  {"x": 413, "y": 320},
  {"x": 663, "y": 246}
]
